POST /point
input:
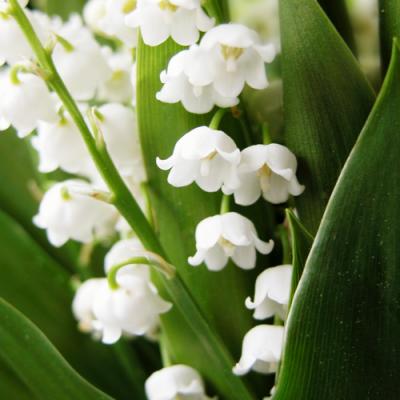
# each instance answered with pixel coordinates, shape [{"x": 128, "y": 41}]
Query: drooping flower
[
  {"x": 118, "y": 88},
  {"x": 261, "y": 350},
  {"x": 122, "y": 251},
  {"x": 113, "y": 21},
  {"x": 93, "y": 13},
  {"x": 225, "y": 236},
  {"x": 82, "y": 305},
  {"x": 13, "y": 45},
  {"x": 60, "y": 145},
  {"x": 25, "y": 100},
  {"x": 118, "y": 127},
  {"x": 197, "y": 96},
  {"x": 267, "y": 170},
  {"x": 160, "y": 19},
  {"x": 67, "y": 213},
  {"x": 133, "y": 308},
  {"x": 206, "y": 156},
  {"x": 272, "y": 293},
  {"x": 79, "y": 59},
  {"x": 238, "y": 57},
  {"x": 177, "y": 381}
]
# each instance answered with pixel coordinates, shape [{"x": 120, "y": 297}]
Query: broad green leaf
[
  {"x": 338, "y": 14},
  {"x": 19, "y": 192},
  {"x": 301, "y": 245},
  {"x": 26, "y": 349},
  {"x": 220, "y": 296},
  {"x": 11, "y": 387},
  {"x": 219, "y": 9},
  {"x": 344, "y": 326},
  {"x": 34, "y": 283},
  {"x": 63, "y": 8},
  {"x": 326, "y": 101},
  {"x": 389, "y": 28}
]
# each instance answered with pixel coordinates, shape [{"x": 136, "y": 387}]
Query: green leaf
[
  {"x": 34, "y": 283},
  {"x": 219, "y": 9},
  {"x": 301, "y": 245},
  {"x": 389, "y": 28},
  {"x": 326, "y": 102},
  {"x": 25, "y": 348},
  {"x": 178, "y": 211},
  {"x": 63, "y": 8},
  {"x": 338, "y": 14},
  {"x": 344, "y": 326},
  {"x": 19, "y": 183},
  {"x": 11, "y": 387}
]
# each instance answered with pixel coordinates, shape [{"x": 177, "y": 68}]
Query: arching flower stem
[{"x": 150, "y": 259}]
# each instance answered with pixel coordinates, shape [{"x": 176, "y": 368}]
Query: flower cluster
[
  {"x": 133, "y": 308},
  {"x": 212, "y": 71}
]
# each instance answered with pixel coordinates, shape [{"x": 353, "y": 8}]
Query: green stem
[
  {"x": 165, "y": 356},
  {"x": 150, "y": 260},
  {"x": 225, "y": 204},
  {"x": 217, "y": 118}
]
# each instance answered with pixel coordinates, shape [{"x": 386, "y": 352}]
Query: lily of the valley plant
[{"x": 169, "y": 164}]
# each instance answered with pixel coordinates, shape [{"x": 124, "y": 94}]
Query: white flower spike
[
  {"x": 225, "y": 236},
  {"x": 261, "y": 350},
  {"x": 267, "y": 170},
  {"x": 175, "y": 382},
  {"x": 66, "y": 213},
  {"x": 132, "y": 309},
  {"x": 160, "y": 19},
  {"x": 238, "y": 57},
  {"x": 206, "y": 156},
  {"x": 25, "y": 100},
  {"x": 272, "y": 293},
  {"x": 197, "y": 96}
]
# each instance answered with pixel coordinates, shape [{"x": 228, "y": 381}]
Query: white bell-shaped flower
[
  {"x": 82, "y": 305},
  {"x": 175, "y": 382},
  {"x": 225, "y": 236},
  {"x": 272, "y": 293},
  {"x": 13, "y": 45},
  {"x": 160, "y": 19},
  {"x": 113, "y": 21},
  {"x": 197, "y": 96},
  {"x": 206, "y": 156},
  {"x": 267, "y": 170},
  {"x": 93, "y": 12},
  {"x": 79, "y": 60},
  {"x": 124, "y": 250},
  {"x": 118, "y": 88},
  {"x": 261, "y": 350},
  {"x": 132, "y": 309},
  {"x": 25, "y": 100},
  {"x": 60, "y": 145},
  {"x": 237, "y": 56},
  {"x": 119, "y": 129},
  {"x": 66, "y": 212}
]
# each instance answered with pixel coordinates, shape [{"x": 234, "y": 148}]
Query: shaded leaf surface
[
  {"x": 326, "y": 101},
  {"x": 344, "y": 326},
  {"x": 42, "y": 368},
  {"x": 34, "y": 283}
]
